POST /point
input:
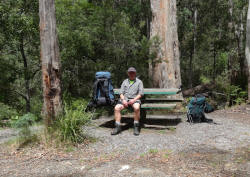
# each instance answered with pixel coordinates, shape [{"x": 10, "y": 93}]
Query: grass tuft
[
  {"x": 68, "y": 128},
  {"x": 153, "y": 151}
]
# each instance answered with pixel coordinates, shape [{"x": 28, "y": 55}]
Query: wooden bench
[{"x": 157, "y": 103}]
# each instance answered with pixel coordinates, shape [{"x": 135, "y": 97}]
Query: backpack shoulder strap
[
  {"x": 106, "y": 90},
  {"x": 95, "y": 90}
]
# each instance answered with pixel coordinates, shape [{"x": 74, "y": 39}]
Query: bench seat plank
[
  {"x": 163, "y": 100},
  {"x": 155, "y": 91},
  {"x": 157, "y": 106}
]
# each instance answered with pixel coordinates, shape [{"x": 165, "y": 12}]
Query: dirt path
[{"x": 166, "y": 147}]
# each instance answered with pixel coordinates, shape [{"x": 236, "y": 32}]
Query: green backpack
[{"x": 196, "y": 108}]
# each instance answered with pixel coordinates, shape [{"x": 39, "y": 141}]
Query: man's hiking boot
[
  {"x": 136, "y": 129},
  {"x": 117, "y": 129}
]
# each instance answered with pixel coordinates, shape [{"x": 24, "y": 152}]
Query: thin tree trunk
[
  {"x": 193, "y": 53},
  {"x": 247, "y": 50},
  {"x": 165, "y": 70},
  {"x": 214, "y": 64},
  {"x": 26, "y": 76},
  {"x": 240, "y": 56},
  {"x": 241, "y": 46},
  {"x": 190, "y": 70},
  {"x": 50, "y": 59},
  {"x": 229, "y": 64},
  {"x": 149, "y": 18}
]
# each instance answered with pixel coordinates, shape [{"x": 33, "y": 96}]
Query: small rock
[{"x": 124, "y": 167}]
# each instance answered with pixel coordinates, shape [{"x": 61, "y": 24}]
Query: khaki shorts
[{"x": 120, "y": 102}]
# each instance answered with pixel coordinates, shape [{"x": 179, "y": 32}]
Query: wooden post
[
  {"x": 143, "y": 113},
  {"x": 50, "y": 60}
]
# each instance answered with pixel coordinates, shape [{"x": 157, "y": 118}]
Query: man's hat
[{"x": 131, "y": 69}]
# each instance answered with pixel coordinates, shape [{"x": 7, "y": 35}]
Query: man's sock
[
  {"x": 118, "y": 123},
  {"x": 136, "y": 122}
]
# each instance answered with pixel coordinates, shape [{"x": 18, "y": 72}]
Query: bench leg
[{"x": 143, "y": 115}]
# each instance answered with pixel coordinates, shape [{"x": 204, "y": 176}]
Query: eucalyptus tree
[
  {"x": 50, "y": 61},
  {"x": 165, "y": 69}
]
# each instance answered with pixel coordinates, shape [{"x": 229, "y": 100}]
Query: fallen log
[{"x": 199, "y": 89}]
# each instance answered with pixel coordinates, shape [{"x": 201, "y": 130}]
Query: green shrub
[
  {"x": 204, "y": 79},
  {"x": 36, "y": 107},
  {"x": 69, "y": 127},
  {"x": 23, "y": 124},
  {"x": 234, "y": 94},
  {"x": 237, "y": 95},
  {"x": 6, "y": 113},
  {"x": 24, "y": 121}
]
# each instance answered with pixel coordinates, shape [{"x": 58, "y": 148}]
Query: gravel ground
[
  {"x": 226, "y": 134},
  {"x": 6, "y": 134},
  {"x": 167, "y": 146}
]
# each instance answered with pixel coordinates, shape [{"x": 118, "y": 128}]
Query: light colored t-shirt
[{"x": 131, "y": 82}]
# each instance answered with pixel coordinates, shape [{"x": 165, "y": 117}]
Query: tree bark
[
  {"x": 247, "y": 50},
  {"x": 50, "y": 61},
  {"x": 165, "y": 69}
]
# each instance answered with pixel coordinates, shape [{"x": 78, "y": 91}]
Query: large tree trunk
[
  {"x": 247, "y": 51},
  {"x": 50, "y": 59},
  {"x": 165, "y": 70}
]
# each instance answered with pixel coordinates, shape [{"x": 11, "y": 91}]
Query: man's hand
[
  {"x": 131, "y": 102},
  {"x": 125, "y": 103}
]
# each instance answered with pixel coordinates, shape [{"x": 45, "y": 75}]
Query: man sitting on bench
[{"x": 130, "y": 93}]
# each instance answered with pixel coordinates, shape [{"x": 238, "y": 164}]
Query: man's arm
[
  {"x": 124, "y": 102},
  {"x": 122, "y": 97},
  {"x": 122, "y": 90},
  {"x": 137, "y": 97}
]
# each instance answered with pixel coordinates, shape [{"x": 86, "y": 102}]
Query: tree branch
[{"x": 21, "y": 94}]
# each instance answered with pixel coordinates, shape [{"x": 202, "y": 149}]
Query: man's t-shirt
[
  {"x": 131, "y": 90},
  {"x": 131, "y": 81}
]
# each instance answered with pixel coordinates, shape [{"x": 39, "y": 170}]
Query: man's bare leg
[
  {"x": 136, "y": 107},
  {"x": 117, "y": 111}
]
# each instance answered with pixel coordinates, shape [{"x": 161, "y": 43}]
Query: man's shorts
[{"x": 137, "y": 101}]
